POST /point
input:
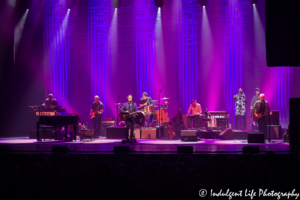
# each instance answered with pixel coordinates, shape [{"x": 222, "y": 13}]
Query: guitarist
[
  {"x": 126, "y": 109},
  {"x": 96, "y": 111},
  {"x": 261, "y": 107}
]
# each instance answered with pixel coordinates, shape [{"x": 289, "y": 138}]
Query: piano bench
[{"x": 85, "y": 134}]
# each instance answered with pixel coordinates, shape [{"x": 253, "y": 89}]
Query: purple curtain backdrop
[{"x": 187, "y": 51}]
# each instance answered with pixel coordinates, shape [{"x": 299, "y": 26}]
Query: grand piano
[
  {"x": 56, "y": 117},
  {"x": 57, "y": 122}
]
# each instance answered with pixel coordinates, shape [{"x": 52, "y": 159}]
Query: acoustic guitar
[
  {"x": 93, "y": 114},
  {"x": 124, "y": 116},
  {"x": 257, "y": 116}
]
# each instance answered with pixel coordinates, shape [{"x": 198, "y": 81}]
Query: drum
[
  {"x": 163, "y": 116},
  {"x": 140, "y": 118},
  {"x": 148, "y": 109}
]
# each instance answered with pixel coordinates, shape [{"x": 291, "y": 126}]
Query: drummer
[{"x": 145, "y": 101}]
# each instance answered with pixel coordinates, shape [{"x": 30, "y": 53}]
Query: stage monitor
[{"x": 282, "y": 32}]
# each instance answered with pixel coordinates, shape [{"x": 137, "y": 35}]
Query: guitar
[
  {"x": 257, "y": 116},
  {"x": 124, "y": 116},
  {"x": 93, "y": 114}
]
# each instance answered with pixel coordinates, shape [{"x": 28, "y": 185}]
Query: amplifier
[
  {"x": 276, "y": 132},
  {"x": 148, "y": 133},
  {"x": 188, "y": 135},
  {"x": 105, "y": 124},
  {"x": 115, "y": 132},
  {"x": 274, "y": 118}
]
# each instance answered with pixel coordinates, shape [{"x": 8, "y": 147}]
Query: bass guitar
[
  {"x": 124, "y": 116},
  {"x": 257, "y": 116},
  {"x": 93, "y": 114}
]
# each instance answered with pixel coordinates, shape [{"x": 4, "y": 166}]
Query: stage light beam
[{"x": 18, "y": 31}]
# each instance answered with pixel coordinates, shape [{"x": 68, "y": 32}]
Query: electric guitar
[
  {"x": 257, "y": 116},
  {"x": 124, "y": 116},
  {"x": 93, "y": 114}
]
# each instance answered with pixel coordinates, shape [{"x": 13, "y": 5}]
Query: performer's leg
[
  {"x": 127, "y": 129},
  {"x": 237, "y": 122},
  {"x": 244, "y": 121},
  {"x": 189, "y": 121},
  {"x": 99, "y": 128},
  {"x": 260, "y": 126},
  {"x": 197, "y": 121},
  {"x": 95, "y": 126},
  {"x": 132, "y": 128}
]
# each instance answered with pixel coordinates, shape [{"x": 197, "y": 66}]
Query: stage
[{"x": 143, "y": 146}]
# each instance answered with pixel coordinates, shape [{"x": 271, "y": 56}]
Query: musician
[
  {"x": 145, "y": 101},
  {"x": 50, "y": 101},
  {"x": 195, "y": 109},
  {"x": 240, "y": 107},
  {"x": 127, "y": 108},
  {"x": 262, "y": 106},
  {"x": 98, "y": 107},
  {"x": 253, "y": 100}
]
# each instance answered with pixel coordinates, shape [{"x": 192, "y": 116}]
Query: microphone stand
[
  {"x": 159, "y": 113},
  {"x": 117, "y": 105}
]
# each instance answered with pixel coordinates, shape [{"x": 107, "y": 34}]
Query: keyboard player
[
  {"x": 193, "y": 114},
  {"x": 50, "y": 101}
]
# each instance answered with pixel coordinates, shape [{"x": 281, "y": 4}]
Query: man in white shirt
[{"x": 195, "y": 110}]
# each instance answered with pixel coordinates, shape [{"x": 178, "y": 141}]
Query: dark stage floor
[{"x": 148, "y": 146}]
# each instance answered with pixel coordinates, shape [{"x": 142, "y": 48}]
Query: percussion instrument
[
  {"x": 140, "y": 118},
  {"x": 148, "y": 109},
  {"x": 163, "y": 116},
  {"x": 165, "y": 98}
]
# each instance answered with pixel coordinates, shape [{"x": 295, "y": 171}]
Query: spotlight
[
  {"x": 116, "y": 3},
  {"x": 203, "y": 2},
  {"x": 159, "y": 3},
  {"x": 253, "y": 1},
  {"x": 70, "y": 4}
]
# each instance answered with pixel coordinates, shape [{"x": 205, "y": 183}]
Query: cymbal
[
  {"x": 165, "y": 98},
  {"x": 154, "y": 100}
]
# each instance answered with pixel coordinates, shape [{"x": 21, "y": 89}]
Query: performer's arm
[
  {"x": 122, "y": 109},
  {"x": 234, "y": 98},
  {"x": 91, "y": 111},
  {"x": 150, "y": 101},
  {"x": 101, "y": 108},
  {"x": 141, "y": 105},
  {"x": 200, "y": 109},
  {"x": 189, "y": 110}
]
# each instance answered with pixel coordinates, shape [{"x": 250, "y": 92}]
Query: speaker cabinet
[
  {"x": 148, "y": 133},
  {"x": 274, "y": 118},
  {"x": 256, "y": 137},
  {"x": 276, "y": 132},
  {"x": 226, "y": 134},
  {"x": 294, "y": 123},
  {"x": 136, "y": 132},
  {"x": 115, "y": 132},
  {"x": 188, "y": 135}
]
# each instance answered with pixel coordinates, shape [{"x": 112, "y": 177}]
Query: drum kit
[{"x": 149, "y": 115}]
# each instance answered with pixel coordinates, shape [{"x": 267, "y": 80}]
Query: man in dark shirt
[
  {"x": 262, "y": 106},
  {"x": 50, "y": 101},
  {"x": 127, "y": 108},
  {"x": 97, "y": 107},
  {"x": 146, "y": 101},
  {"x": 253, "y": 100}
]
